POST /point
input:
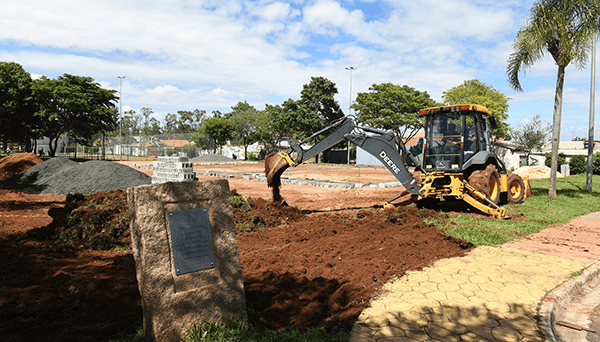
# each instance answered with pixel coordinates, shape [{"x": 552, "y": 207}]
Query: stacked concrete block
[{"x": 173, "y": 169}]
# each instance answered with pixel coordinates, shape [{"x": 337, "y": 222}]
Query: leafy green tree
[
  {"x": 190, "y": 121},
  {"x": 273, "y": 125},
  {"x": 476, "y": 92},
  {"x": 562, "y": 28},
  {"x": 17, "y": 121},
  {"x": 171, "y": 123},
  {"x": 184, "y": 121},
  {"x": 219, "y": 128},
  {"x": 130, "y": 124},
  {"x": 75, "y": 105},
  {"x": 153, "y": 127},
  {"x": 392, "y": 107},
  {"x": 203, "y": 140},
  {"x": 245, "y": 120},
  {"x": 316, "y": 109},
  {"x": 532, "y": 137}
]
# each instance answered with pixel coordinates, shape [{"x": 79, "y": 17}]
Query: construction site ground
[{"x": 311, "y": 269}]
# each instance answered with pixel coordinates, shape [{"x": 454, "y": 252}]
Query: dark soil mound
[
  {"x": 13, "y": 165},
  {"x": 323, "y": 269},
  {"x": 258, "y": 214},
  {"x": 96, "y": 221},
  {"x": 303, "y": 269},
  {"x": 60, "y": 176}
]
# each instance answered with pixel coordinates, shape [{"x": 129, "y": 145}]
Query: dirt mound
[
  {"x": 325, "y": 267},
  {"x": 307, "y": 269},
  {"x": 535, "y": 172},
  {"x": 13, "y": 165},
  {"x": 259, "y": 214},
  {"x": 60, "y": 176},
  {"x": 94, "y": 221}
]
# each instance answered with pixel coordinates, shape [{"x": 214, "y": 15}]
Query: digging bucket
[{"x": 275, "y": 165}]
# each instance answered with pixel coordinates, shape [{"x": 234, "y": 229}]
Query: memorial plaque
[{"x": 191, "y": 240}]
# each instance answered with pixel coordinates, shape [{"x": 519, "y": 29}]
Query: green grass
[
  {"x": 538, "y": 212},
  {"x": 232, "y": 330}
]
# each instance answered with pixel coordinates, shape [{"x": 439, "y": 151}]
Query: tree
[
  {"x": 272, "y": 126},
  {"x": 393, "y": 107},
  {"x": 316, "y": 109},
  {"x": 190, "y": 121},
  {"x": 531, "y": 137},
  {"x": 219, "y": 128},
  {"x": 184, "y": 121},
  {"x": 75, "y": 105},
  {"x": 17, "y": 120},
  {"x": 562, "y": 28},
  {"x": 476, "y": 92},
  {"x": 244, "y": 119},
  {"x": 171, "y": 123}
]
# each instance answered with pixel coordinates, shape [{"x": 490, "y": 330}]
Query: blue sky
[{"x": 186, "y": 55}]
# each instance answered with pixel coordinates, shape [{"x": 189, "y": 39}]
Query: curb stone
[{"x": 556, "y": 300}]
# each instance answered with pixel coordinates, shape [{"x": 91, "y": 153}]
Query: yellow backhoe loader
[{"x": 455, "y": 163}]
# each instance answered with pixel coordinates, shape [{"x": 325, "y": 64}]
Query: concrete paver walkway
[{"x": 491, "y": 294}]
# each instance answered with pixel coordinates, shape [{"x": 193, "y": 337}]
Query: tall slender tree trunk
[{"x": 560, "y": 79}]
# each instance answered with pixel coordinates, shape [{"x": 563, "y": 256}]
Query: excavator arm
[{"x": 381, "y": 144}]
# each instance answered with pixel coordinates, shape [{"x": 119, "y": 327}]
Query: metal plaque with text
[{"x": 191, "y": 240}]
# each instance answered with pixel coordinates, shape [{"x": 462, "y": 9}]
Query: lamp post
[
  {"x": 120, "y": 116},
  {"x": 350, "y": 105}
]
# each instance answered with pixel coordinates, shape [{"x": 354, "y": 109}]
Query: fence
[{"x": 123, "y": 147}]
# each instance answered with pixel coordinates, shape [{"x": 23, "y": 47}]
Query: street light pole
[
  {"x": 120, "y": 116},
  {"x": 350, "y": 103},
  {"x": 350, "y": 106}
]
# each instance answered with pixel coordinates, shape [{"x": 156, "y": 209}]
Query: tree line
[
  {"x": 81, "y": 108},
  {"x": 45, "y": 107}
]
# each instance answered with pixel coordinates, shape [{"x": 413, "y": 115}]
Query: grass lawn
[{"x": 538, "y": 212}]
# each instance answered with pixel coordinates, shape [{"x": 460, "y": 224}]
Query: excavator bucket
[{"x": 275, "y": 165}]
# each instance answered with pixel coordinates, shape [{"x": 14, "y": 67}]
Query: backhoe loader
[{"x": 455, "y": 163}]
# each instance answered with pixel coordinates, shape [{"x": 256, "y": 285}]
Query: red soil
[
  {"x": 302, "y": 268},
  {"x": 12, "y": 165}
]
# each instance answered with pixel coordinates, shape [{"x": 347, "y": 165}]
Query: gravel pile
[
  {"x": 60, "y": 176},
  {"x": 211, "y": 158}
]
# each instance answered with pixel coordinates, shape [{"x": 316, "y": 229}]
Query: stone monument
[{"x": 187, "y": 261}]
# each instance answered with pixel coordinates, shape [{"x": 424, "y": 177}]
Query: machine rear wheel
[
  {"x": 516, "y": 188},
  {"x": 487, "y": 182}
]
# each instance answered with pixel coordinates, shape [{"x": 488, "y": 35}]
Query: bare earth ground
[{"x": 320, "y": 267}]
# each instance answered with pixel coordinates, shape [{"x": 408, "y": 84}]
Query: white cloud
[{"x": 208, "y": 55}]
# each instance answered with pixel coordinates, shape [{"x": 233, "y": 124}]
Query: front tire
[{"x": 515, "y": 189}]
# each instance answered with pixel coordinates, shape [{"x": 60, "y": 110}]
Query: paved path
[{"x": 489, "y": 295}]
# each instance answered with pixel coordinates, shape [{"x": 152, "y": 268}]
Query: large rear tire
[
  {"x": 487, "y": 182},
  {"x": 515, "y": 188}
]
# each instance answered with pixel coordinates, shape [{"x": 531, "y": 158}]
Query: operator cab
[{"x": 454, "y": 135}]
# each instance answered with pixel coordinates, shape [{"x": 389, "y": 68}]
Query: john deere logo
[{"x": 388, "y": 161}]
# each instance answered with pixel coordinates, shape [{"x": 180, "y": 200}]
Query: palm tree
[{"x": 564, "y": 29}]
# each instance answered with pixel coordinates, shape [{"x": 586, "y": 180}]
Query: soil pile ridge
[
  {"x": 60, "y": 176},
  {"x": 13, "y": 165}
]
